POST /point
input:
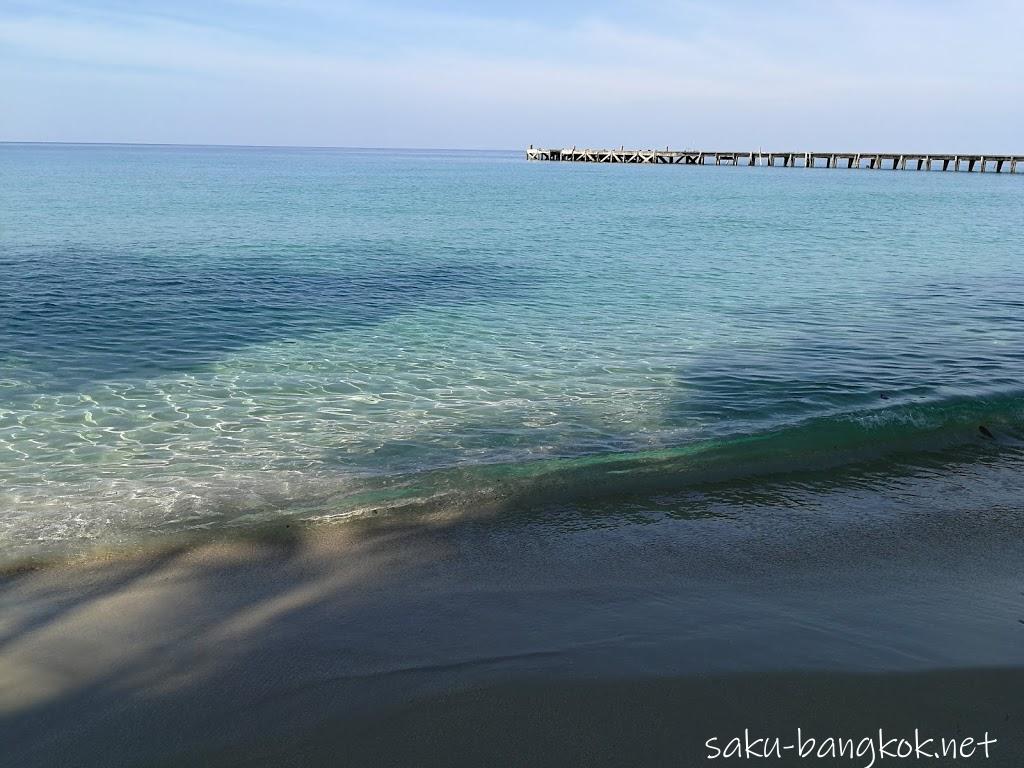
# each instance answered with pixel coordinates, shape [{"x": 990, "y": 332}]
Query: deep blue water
[{"x": 201, "y": 337}]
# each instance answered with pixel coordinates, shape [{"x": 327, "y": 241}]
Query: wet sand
[
  {"x": 669, "y": 721},
  {"x": 519, "y": 642}
]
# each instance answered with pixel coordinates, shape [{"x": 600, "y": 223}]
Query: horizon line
[
  {"x": 383, "y": 149},
  {"x": 247, "y": 146}
]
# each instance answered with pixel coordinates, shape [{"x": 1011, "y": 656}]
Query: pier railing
[{"x": 870, "y": 160}]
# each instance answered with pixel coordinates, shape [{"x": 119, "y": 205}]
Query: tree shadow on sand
[{"x": 425, "y": 644}]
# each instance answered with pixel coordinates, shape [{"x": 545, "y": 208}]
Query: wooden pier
[{"x": 870, "y": 160}]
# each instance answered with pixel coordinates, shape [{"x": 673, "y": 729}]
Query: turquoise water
[{"x": 199, "y": 338}]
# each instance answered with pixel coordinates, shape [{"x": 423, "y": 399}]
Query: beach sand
[{"x": 586, "y": 642}]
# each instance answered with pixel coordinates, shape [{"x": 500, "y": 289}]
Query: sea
[{"x": 201, "y": 340}]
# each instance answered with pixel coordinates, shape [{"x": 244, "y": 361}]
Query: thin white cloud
[{"x": 464, "y": 79}]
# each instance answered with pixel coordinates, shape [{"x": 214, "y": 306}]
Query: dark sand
[{"x": 576, "y": 641}]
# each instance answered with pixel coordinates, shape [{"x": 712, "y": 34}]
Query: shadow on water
[{"x": 78, "y": 316}]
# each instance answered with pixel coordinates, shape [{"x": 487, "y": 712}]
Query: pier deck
[{"x": 870, "y": 160}]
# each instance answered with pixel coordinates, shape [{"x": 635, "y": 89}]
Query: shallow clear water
[{"x": 200, "y": 337}]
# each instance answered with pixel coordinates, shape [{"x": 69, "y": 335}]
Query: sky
[{"x": 849, "y": 75}]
